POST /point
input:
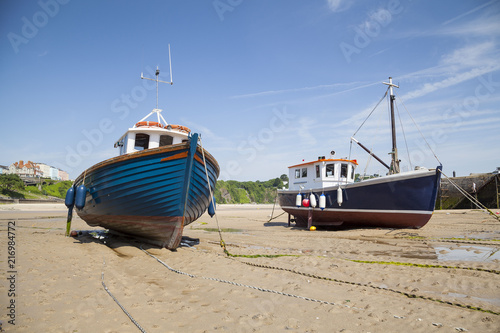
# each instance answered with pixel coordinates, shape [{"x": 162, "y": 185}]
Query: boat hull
[
  {"x": 150, "y": 194},
  {"x": 396, "y": 201}
]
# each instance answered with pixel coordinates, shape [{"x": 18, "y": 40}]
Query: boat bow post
[{"x": 177, "y": 233}]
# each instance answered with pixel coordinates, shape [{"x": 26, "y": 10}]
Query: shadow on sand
[{"x": 114, "y": 240}]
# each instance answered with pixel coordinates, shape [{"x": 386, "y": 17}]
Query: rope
[
  {"x": 274, "y": 204},
  {"x": 371, "y": 112},
  {"x": 116, "y": 301},
  {"x": 470, "y": 197},
  {"x": 404, "y": 136},
  {"x": 273, "y": 218},
  {"x": 418, "y": 128},
  {"x": 222, "y": 243},
  {"x": 245, "y": 285}
]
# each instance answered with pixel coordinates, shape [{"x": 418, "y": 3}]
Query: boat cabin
[
  {"x": 150, "y": 134},
  {"x": 321, "y": 173}
]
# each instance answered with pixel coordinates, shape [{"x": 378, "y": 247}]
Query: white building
[{"x": 28, "y": 169}]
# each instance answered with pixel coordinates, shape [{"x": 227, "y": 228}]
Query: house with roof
[{"x": 25, "y": 170}]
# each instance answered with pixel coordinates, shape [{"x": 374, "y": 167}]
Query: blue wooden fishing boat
[
  {"x": 161, "y": 182},
  {"x": 324, "y": 192}
]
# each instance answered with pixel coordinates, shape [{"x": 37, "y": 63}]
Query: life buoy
[
  {"x": 179, "y": 128},
  {"x": 148, "y": 124}
]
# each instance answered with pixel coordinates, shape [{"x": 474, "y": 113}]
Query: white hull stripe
[{"x": 423, "y": 212}]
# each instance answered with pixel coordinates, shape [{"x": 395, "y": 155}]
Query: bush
[{"x": 11, "y": 182}]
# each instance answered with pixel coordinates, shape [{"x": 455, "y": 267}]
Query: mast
[{"x": 394, "y": 154}]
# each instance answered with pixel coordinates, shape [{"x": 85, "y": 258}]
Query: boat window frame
[
  {"x": 304, "y": 172},
  {"x": 330, "y": 167},
  {"x": 344, "y": 170},
  {"x": 142, "y": 145},
  {"x": 297, "y": 173},
  {"x": 318, "y": 171},
  {"x": 169, "y": 138}
]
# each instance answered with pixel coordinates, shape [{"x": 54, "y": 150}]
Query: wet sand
[{"x": 347, "y": 280}]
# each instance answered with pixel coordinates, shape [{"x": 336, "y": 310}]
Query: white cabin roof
[
  {"x": 321, "y": 173},
  {"x": 150, "y": 134}
]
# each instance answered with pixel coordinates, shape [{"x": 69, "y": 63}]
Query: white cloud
[
  {"x": 449, "y": 81},
  {"x": 472, "y": 55},
  {"x": 469, "y": 12},
  {"x": 319, "y": 87},
  {"x": 339, "y": 5}
]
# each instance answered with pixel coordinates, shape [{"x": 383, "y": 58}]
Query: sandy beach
[{"x": 441, "y": 278}]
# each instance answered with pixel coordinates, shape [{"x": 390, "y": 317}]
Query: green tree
[{"x": 11, "y": 182}]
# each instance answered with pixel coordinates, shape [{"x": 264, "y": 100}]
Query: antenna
[
  {"x": 158, "y": 73},
  {"x": 170, "y": 62}
]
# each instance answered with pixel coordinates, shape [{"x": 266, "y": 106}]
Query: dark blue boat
[
  {"x": 161, "y": 181},
  {"x": 324, "y": 192},
  {"x": 403, "y": 200}
]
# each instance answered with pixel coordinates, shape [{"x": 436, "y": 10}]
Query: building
[
  {"x": 35, "y": 170},
  {"x": 63, "y": 175},
  {"x": 25, "y": 170},
  {"x": 44, "y": 169},
  {"x": 52, "y": 173}
]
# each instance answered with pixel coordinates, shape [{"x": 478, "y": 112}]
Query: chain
[
  {"x": 409, "y": 295},
  {"x": 244, "y": 285},
  {"x": 121, "y": 306}
]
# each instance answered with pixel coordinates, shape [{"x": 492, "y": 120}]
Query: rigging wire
[
  {"x": 404, "y": 136},
  {"x": 418, "y": 128},
  {"x": 385, "y": 94}
]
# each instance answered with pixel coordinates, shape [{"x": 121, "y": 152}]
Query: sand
[{"x": 329, "y": 280}]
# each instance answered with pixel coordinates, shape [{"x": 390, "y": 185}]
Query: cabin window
[
  {"x": 317, "y": 172},
  {"x": 304, "y": 172},
  {"x": 297, "y": 173},
  {"x": 166, "y": 140},
  {"x": 330, "y": 170},
  {"x": 141, "y": 141},
  {"x": 352, "y": 172},
  {"x": 343, "y": 170}
]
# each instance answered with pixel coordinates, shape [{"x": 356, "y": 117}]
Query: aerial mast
[
  {"x": 395, "y": 160},
  {"x": 157, "y": 110},
  {"x": 158, "y": 73}
]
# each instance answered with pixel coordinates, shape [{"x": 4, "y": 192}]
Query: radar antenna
[{"x": 158, "y": 73}]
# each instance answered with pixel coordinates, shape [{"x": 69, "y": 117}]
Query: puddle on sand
[
  {"x": 494, "y": 301},
  {"x": 467, "y": 253}
]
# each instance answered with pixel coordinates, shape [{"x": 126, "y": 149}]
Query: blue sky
[{"x": 266, "y": 83}]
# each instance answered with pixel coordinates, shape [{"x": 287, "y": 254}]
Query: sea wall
[{"x": 483, "y": 187}]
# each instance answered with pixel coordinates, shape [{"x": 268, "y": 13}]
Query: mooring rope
[
  {"x": 222, "y": 243},
  {"x": 116, "y": 301},
  {"x": 272, "y": 212},
  {"x": 473, "y": 200}
]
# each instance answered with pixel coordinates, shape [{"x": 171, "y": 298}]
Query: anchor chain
[
  {"x": 409, "y": 295},
  {"x": 244, "y": 285},
  {"x": 121, "y": 306}
]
